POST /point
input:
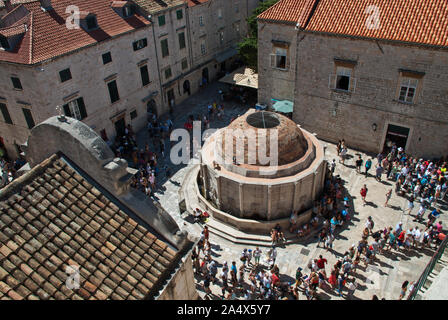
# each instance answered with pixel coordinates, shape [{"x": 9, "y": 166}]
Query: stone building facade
[
  {"x": 91, "y": 72},
  {"x": 366, "y": 87},
  {"x": 151, "y": 60}
]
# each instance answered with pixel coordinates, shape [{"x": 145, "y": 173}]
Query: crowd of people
[{"x": 417, "y": 180}]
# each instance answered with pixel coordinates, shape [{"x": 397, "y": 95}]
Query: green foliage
[
  {"x": 252, "y": 19},
  {"x": 248, "y": 50},
  {"x": 248, "y": 47}
]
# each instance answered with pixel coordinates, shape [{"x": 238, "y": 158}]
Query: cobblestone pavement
[{"x": 383, "y": 278}]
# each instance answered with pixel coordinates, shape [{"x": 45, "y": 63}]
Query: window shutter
[
  {"x": 67, "y": 110},
  {"x": 135, "y": 46},
  {"x": 273, "y": 57},
  {"x": 82, "y": 108},
  {"x": 5, "y": 113},
  {"x": 28, "y": 118},
  {"x": 287, "y": 63},
  {"x": 332, "y": 81},
  {"x": 353, "y": 80}
]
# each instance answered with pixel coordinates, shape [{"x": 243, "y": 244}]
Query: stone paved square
[{"x": 393, "y": 268}]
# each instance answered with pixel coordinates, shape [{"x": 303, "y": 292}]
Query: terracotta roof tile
[
  {"x": 39, "y": 239},
  {"x": 411, "y": 21},
  {"x": 289, "y": 11},
  {"x": 47, "y": 35}
]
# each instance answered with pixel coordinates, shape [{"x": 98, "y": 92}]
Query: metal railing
[{"x": 429, "y": 267}]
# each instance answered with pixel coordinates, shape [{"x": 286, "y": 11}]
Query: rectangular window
[
  {"x": 107, "y": 57},
  {"x": 279, "y": 59},
  {"x": 5, "y": 113},
  {"x": 91, "y": 23},
  {"x": 113, "y": 91},
  {"x": 236, "y": 27},
  {"x": 145, "y": 75},
  {"x": 28, "y": 118},
  {"x": 128, "y": 11},
  {"x": 65, "y": 75},
  {"x": 16, "y": 83},
  {"x": 220, "y": 13},
  {"x": 179, "y": 14},
  {"x": 140, "y": 44},
  {"x": 203, "y": 49},
  {"x": 201, "y": 21},
  {"x": 221, "y": 37},
  {"x": 184, "y": 64},
  {"x": 168, "y": 73},
  {"x": 75, "y": 109},
  {"x": 237, "y": 8},
  {"x": 161, "y": 20},
  {"x": 182, "y": 40},
  {"x": 408, "y": 89},
  {"x": 343, "y": 77},
  {"x": 164, "y": 44},
  {"x": 133, "y": 114}
]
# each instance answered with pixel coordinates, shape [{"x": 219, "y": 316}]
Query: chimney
[
  {"x": 8, "y": 5},
  {"x": 45, "y": 5}
]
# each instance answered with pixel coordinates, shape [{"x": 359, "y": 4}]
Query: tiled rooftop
[
  {"x": 48, "y": 36},
  {"x": 289, "y": 11},
  {"x": 412, "y": 21},
  {"x": 51, "y": 218}
]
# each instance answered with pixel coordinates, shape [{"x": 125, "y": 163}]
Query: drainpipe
[
  {"x": 190, "y": 45},
  {"x": 157, "y": 61}
]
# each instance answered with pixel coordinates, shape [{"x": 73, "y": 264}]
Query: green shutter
[
  {"x": 82, "y": 108},
  {"x": 165, "y": 51},
  {"x": 179, "y": 14},
  {"x": 161, "y": 20},
  {"x": 28, "y": 118},
  {"x": 5, "y": 113},
  {"x": 182, "y": 40}
]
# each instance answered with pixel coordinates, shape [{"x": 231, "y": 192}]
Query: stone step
[{"x": 233, "y": 235}]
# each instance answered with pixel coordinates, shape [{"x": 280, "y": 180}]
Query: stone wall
[
  {"x": 334, "y": 114},
  {"x": 337, "y": 115},
  {"x": 275, "y": 83},
  {"x": 182, "y": 285}
]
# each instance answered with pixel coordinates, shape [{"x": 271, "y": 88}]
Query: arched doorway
[
  {"x": 187, "y": 87},
  {"x": 205, "y": 78}
]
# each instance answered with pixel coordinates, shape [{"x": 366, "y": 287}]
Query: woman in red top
[
  {"x": 333, "y": 279},
  {"x": 401, "y": 238},
  {"x": 364, "y": 194}
]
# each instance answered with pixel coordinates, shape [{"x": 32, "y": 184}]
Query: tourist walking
[
  {"x": 359, "y": 164},
  {"x": 363, "y": 193},
  {"x": 388, "y": 196},
  {"x": 368, "y": 165}
]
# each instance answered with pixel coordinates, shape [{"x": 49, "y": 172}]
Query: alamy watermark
[
  {"x": 233, "y": 146},
  {"x": 373, "y": 21}
]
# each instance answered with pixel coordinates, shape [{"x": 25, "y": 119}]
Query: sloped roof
[
  {"x": 52, "y": 218},
  {"x": 154, "y": 6},
  {"x": 48, "y": 36},
  {"x": 289, "y": 11},
  {"x": 412, "y": 21},
  {"x": 415, "y": 21}
]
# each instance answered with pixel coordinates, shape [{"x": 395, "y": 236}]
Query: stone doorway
[
  {"x": 120, "y": 126},
  {"x": 187, "y": 87}
]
